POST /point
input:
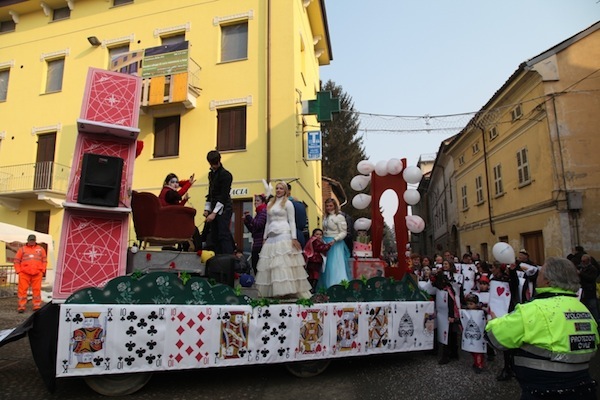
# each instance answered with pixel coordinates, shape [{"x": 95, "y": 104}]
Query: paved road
[{"x": 395, "y": 376}]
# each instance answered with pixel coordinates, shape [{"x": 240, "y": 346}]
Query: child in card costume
[
  {"x": 314, "y": 251},
  {"x": 473, "y": 324}
]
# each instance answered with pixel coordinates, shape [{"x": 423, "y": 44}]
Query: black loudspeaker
[
  {"x": 100, "y": 183},
  {"x": 221, "y": 268}
]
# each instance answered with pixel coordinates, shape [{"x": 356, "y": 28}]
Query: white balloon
[
  {"x": 412, "y": 174},
  {"x": 504, "y": 253},
  {"x": 407, "y": 253},
  {"x": 362, "y": 224},
  {"x": 361, "y": 201},
  {"x": 415, "y": 224},
  {"x": 411, "y": 196},
  {"x": 360, "y": 182},
  {"x": 394, "y": 166},
  {"x": 365, "y": 167},
  {"x": 381, "y": 168}
]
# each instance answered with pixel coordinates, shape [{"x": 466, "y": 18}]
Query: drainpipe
[
  {"x": 487, "y": 182},
  {"x": 562, "y": 169},
  {"x": 268, "y": 89}
]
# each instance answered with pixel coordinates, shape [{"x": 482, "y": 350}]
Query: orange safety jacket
[{"x": 31, "y": 260}]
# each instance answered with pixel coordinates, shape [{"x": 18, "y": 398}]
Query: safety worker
[
  {"x": 555, "y": 336},
  {"x": 30, "y": 264}
]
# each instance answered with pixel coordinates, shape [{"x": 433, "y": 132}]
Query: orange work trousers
[{"x": 25, "y": 281}]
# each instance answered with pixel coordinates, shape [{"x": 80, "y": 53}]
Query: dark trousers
[
  {"x": 255, "y": 255},
  {"x": 450, "y": 350},
  {"x": 592, "y": 305},
  {"x": 219, "y": 235}
]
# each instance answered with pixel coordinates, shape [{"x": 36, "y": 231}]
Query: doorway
[
  {"x": 241, "y": 236},
  {"x": 44, "y": 161},
  {"x": 533, "y": 242}
]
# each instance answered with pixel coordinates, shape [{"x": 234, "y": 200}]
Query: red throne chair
[{"x": 158, "y": 225}]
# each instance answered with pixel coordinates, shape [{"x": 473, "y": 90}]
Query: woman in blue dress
[{"x": 337, "y": 267}]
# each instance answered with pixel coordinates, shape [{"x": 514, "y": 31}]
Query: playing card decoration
[
  {"x": 473, "y": 322},
  {"x": 499, "y": 297},
  {"x": 99, "y": 339},
  {"x": 441, "y": 309},
  {"x": 378, "y": 323},
  {"x": 87, "y": 339},
  {"x": 347, "y": 324},
  {"x": 312, "y": 332},
  {"x": 406, "y": 328},
  {"x": 154, "y": 322},
  {"x": 412, "y": 323}
]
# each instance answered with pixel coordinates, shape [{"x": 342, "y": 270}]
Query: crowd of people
[{"x": 464, "y": 285}]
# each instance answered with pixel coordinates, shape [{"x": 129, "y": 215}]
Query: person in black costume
[{"x": 219, "y": 207}]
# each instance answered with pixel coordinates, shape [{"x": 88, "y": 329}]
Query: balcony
[
  {"x": 47, "y": 181},
  {"x": 170, "y": 77},
  {"x": 181, "y": 88}
]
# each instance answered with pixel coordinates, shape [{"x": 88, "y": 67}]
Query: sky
[{"x": 417, "y": 58}]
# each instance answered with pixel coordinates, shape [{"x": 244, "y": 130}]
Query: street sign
[{"x": 315, "y": 151}]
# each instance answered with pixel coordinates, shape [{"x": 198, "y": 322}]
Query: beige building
[
  {"x": 239, "y": 77},
  {"x": 526, "y": 169}
]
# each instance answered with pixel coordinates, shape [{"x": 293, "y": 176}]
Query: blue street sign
[{"x": 314, "y": 145}]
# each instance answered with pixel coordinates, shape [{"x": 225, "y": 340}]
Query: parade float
[{"x": 119, "y": 315}]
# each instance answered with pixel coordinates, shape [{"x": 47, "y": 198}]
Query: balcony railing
[{"x": 39, "y": 176}]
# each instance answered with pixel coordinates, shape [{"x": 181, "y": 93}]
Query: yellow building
[
  {"x": 526, "y": 169},
  {"x": 238, "y": 87}
]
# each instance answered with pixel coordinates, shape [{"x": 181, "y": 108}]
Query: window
[
  {"x": 121, "y": 2},
  {"x": 54, "y": 76},
  {"x": 523, "y": 167},
  {"x": 476, "y": 148},
  {"x": 516, "y": 113},
  {"x": 116, "y": 50},
  {"x": 173, "y": 39},
  {"x": 463, "y": 192},
  {"x": 166, "y": 136},
  {"x": 61, "y": 13},
  {"x": 493, "y": 133},
  {"x": 231, "y": 128},
  {"x": 115, "y": 62},
  {"x": 461, "y": 160},
  {"x": 479, "y": 189},
  {"x": 4, "y": 74},
  {"x": 498, "y": 187},
  {"x": 7, "y": 26},
  {"x": 234, "y": 42}
]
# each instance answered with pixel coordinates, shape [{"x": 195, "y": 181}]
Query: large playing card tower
[{"x": 93, "y": 243}]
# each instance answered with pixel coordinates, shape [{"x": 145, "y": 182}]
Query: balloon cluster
[{"x": 394, "y": 166}]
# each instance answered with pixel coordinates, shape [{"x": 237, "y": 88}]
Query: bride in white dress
[{"x": 280, "y": 267}]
